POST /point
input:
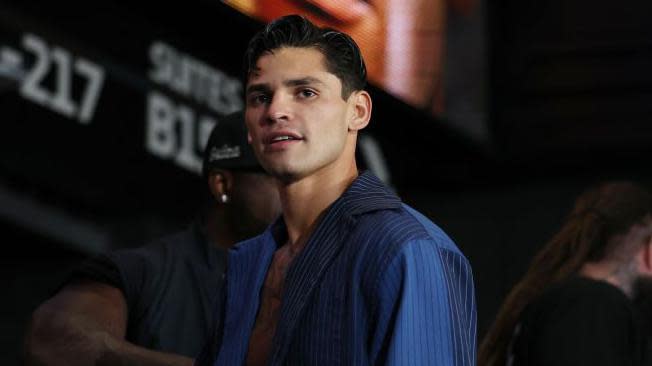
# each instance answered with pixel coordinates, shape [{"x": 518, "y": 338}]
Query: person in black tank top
[{"x": 155, "y": 305}]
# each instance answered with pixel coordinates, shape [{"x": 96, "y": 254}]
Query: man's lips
[{"x": 281, "y": 137}]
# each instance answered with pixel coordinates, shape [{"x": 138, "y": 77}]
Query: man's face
[{"x": 295, "y": 114}]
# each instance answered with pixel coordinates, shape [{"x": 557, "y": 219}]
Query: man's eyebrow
[
  {"x": 308, "y": 80},
  {"x": 264, "y": 88}
]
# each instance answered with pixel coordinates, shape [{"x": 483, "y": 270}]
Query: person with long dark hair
[{"x": 574, "y": 304}]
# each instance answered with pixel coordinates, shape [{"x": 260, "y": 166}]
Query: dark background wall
[{"x": 568, "y": 95}]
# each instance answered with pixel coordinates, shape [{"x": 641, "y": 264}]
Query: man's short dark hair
[{"x": 341, "y": 54}]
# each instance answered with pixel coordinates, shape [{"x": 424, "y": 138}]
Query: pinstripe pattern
[{"x": 377, "y": 284}]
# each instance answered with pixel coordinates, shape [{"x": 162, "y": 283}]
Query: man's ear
[
  {"x": 361, "y": 110},
  {"x": 220, "y": 183}
]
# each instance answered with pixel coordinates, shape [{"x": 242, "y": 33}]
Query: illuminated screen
[{"x": 403, "y": 41}]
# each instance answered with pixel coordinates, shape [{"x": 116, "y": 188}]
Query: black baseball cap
[{"x": 227, "y": 147}]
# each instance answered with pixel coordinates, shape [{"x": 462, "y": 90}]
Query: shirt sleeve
[
  {"x": 433, "y": 310},
  {"x": 100, "y": 268},
  {"x": 139, "y": 269}
]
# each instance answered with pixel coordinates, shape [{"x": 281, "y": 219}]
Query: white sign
[
  {"x": 175, "y": 130},
  {"x": 57, "y": 63}
]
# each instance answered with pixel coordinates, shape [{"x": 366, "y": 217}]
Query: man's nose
[{"x": 279, "y": 109}]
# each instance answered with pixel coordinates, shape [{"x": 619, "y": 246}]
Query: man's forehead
[{"x": 296, "y": 62}]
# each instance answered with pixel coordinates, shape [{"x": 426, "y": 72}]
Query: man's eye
[
  {"x": 258, "y": 98},
  {"x": 307, "y": 93}
]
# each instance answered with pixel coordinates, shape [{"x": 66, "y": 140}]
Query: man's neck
[
  {"x": 217, "y": 231},
  {"x": 304, "y": 201},
  {"x": 608, "y": 272}
]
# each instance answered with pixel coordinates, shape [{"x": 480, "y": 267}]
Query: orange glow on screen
[{"x": 402, "y": 41}]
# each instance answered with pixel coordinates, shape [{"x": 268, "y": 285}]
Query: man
[
  {"x": 574, "y": 305},
  {"x": 349, "y": 275},
  {"x": 155, "y": 305}
]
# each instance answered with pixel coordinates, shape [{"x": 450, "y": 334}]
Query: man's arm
[
  {"x": 85, "y": 324},
  {"x": 429, "y": 293}
]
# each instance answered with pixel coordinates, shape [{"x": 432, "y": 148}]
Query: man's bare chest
[{"x": 269, "y": 311}]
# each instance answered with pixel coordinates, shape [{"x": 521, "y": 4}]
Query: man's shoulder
[
  {"x": 401, "y": 237},
  {"x": 176, "y": 242},
  {"x": 578, "y": 301},
  {"x": 581, "y": 292},
  {"x": 404, "y": 226},
  {"x": 171, "y": 248},
  {"x": 403, "y": 245},
  {"x": 131, "y": 267}
]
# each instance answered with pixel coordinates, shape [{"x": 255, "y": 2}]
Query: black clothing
[
  {"x": 171, "y": 287},
  {"x": 579, "y": 322}
]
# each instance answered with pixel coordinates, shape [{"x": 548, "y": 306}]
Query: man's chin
[{"x": 282, "y": 173}]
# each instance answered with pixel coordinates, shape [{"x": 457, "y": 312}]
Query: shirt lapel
[{"x": 248, "y": 264}]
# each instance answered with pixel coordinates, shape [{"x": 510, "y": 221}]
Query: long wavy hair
[{"x": 598, "y": 215}]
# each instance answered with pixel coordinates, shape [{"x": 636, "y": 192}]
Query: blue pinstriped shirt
[{"x": 376, "y": 284}]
